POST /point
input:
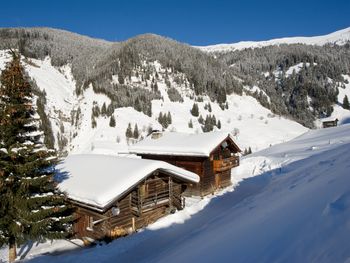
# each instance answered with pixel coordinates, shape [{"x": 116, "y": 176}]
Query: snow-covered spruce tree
[
  {"x": 346, "y": 104},
  {"x": 31, "y": 206},
  {"x": 112, "y": 121},
  {"x": 129, "y": 133},
  {"x": 136, "y": 133}
]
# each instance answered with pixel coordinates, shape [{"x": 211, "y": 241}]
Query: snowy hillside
[
  {"x": 252, "y": 125},
  {"x": 339, "y": 112},
  {"x": 289, "y": 203},
  {"x": 340, "y": 37}
]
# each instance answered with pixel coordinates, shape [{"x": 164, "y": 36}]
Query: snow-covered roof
[
  {"x": 98, "y": 180},
  {"x": 184, "y": 144}
]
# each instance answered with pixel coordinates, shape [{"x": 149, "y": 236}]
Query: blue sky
[{"x": 193, "y": 21}]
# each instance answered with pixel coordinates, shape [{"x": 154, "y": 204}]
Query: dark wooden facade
[
  {"x": 214, "y": 171},
  {"x": 328, "y": 124},
  {"x": 156, "y": 196}
]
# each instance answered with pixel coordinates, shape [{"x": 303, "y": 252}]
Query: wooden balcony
[
  {"x": 225, "y": 164},
  {"x": 156, "y": 195}
]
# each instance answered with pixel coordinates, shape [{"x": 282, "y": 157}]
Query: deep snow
[{"x": 289, "y": 203}]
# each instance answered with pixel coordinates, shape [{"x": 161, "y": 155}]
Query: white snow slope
[
  {"x": 289, "y": 203},
  {"x": 339, "y": 37}
]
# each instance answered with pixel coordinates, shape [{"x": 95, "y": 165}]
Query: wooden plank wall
[{"x": 130, "y": 217}]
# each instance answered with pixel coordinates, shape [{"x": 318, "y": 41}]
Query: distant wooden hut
[
  {"x": 328, "y": 124},
  {"x": 115, "y": 196},
  {"x": 210, "y": 155}
]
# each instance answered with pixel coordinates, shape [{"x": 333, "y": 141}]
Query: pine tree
[
  {"x": 31, "y": 206},
  {"x": 169, "y": 119},
  {"x": 209, "y": 107},
  {"x": 93, "y": 122},
  {"x": 195, "y": 110},
  {"x": 136, "y": 133},
  {"x": 200, "y": 119},
  {"x": 104, "y": 109},
  {"x": 129, "y": 132},
  {"x": 190, "y": 124},
  {"x": 218, "y": 124},
  {"x": 112, "y": 121},
  {"x": 249, "y": 150},
  {"x": 346, "y": 104}
]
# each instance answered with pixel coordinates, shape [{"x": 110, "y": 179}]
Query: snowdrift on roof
[
  {"x": 98, "y": 180},
  {"x": 176, "y": 143}
]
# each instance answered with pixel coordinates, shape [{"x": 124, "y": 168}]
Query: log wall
[{"x": 152, "y": 199}]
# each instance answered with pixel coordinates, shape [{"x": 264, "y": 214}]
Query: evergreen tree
[
  {"x": 200, "y": 119},
  {"x": 169, "y": 119},
  {"x": 136, "y": 133},
  {"x": 31, "y": 206},
  {"x": 112, "y": 121},
  {"x": 190, "y": 124},
  {"x": 161, "y": 119},
  {"x": 346, "y": 104},
  {"x": 96, "y": 110},
  {"x": 129, "y": 132},
  {"x": 218, "y": 124},
  {"x": 195, "y": 110},
  {"x": 93, "y": 122},
  {"x": 110, "y": 110},
  {"x": 249, "y": 150},
  {"x": 209, "y": 107},
  {"x": 208, "y": 124},
  {"x": 104, "y": 109}
]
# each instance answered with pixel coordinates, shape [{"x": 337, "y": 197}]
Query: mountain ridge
[
  {"x": 143, "y": 79},
  {"x": 339, "y": 37}
]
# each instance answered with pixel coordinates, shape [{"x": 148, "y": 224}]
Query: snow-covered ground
[
  {"x": 288, "y": 203},
  {"x": 339, "y": 37},
  {"x": 339, "y": 112}
]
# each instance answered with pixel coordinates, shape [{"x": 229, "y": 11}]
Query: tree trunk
[{"x": 12, "y": 250}]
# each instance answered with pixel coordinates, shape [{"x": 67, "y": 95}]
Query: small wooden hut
[
  {"x": 210, "y": 155},
  {"x": 115, "y": 196},
  {"x": 328, "y": 124}
]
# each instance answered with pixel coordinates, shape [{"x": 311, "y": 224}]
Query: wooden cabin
[
  {"x": 328, "y": 124},
  {"x": 210, "y": 155},
  {"x": 115, "y": 196}
]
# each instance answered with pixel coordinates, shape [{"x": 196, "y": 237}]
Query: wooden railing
[
  {"x": 169, "y": 195},
  {"x": 225, "y": 164}
]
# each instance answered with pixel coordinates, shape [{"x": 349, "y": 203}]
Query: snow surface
[
  {"x": 344, "y": 91},
  {"x": 289, "y": 203},
  {"x": 254, "y": 89},
  {"x": 296, "y": 68},
  {"x": 339, "y": 37},
  {"x": 176, "y": 143},
  {"x": 99, "y": 180}
]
